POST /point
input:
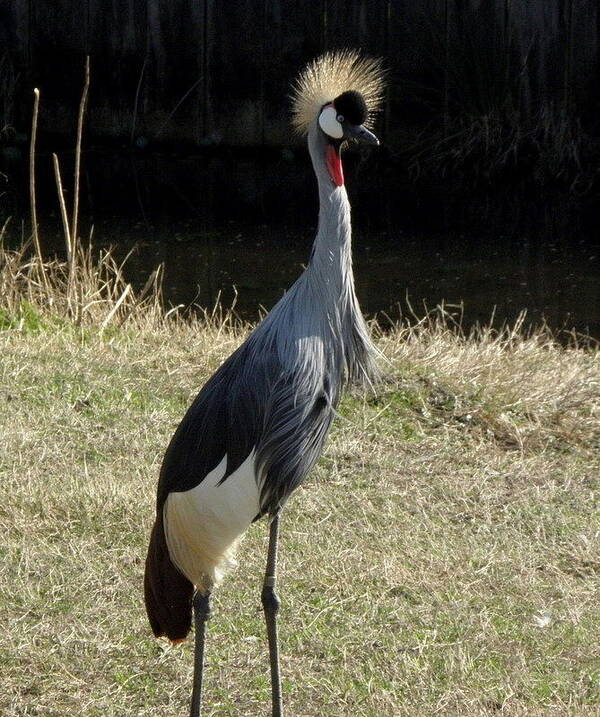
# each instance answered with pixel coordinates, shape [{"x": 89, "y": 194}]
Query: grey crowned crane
[{"x": 260, "y": 423}]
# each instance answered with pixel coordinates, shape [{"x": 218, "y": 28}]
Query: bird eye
[{"x": 340, "y": 118}]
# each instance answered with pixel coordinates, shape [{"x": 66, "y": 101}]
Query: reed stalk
[
  {"x": 82, "y": 106},
  {"x": 69, "y": 242},
  {"x": 63, "y": 209},
  {"x": 32, "y": 197}
]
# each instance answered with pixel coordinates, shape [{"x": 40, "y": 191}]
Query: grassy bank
[{"x": 443, "y": 558}]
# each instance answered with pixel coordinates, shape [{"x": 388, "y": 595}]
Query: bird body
[{"x": 260, "y": 423}]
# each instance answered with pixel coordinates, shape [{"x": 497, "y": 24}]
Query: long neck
[
  {"x": 317, "y": 328},
  {"x": 331, "y": 258},
  {"x": 329, "y": 272}
]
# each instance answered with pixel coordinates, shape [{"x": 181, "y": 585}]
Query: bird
[{"x": 260, "y": 423}]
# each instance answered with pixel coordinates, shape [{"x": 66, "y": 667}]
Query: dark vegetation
[
  {"x": 506, "y": 101},
  {"x": 481, "y": 92}
]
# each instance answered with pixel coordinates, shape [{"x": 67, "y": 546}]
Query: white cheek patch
[{"x": 329, "y": 124}]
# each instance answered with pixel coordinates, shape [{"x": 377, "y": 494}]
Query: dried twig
[
  {"x": 82, "y": 106},
  {"x": 71, "y": 249},
  {"x": 63, "y": 209},
  {"x": 115, "y": 308},
  {"x": 34, "y": 222}
]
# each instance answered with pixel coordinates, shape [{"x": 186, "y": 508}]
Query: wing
[
  {"x": 296, "y": 423},
  {"x": 220, "y": 422},
  {"x": 247, "y": 405}
]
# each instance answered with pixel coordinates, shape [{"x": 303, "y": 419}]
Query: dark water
[
  {"x": 242, "y": 226},
  {"x": 556, "y": 282}
]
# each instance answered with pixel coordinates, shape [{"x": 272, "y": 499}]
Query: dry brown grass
[
  {"x": 90, "y": 290},
  {"x": 442, "y": 558}
]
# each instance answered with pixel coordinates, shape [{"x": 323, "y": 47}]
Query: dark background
[
  {"x": 206, "y": 71},
  {"x": 488, "y": 167}
]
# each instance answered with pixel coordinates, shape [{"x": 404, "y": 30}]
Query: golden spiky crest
[{"x": 327, "y": 76}]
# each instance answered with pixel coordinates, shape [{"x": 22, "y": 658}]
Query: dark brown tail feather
[{"x": 168, "y": 593}]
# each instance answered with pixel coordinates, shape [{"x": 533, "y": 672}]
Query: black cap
[{"x": 352, "y": 106}]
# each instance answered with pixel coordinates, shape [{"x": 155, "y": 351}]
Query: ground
[{"x": 442, "y": 558}]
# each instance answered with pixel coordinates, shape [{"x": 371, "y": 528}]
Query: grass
[{"x": 441, "y": 559}]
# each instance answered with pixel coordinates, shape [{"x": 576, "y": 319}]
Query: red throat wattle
[{"x": 334, "y": 165}]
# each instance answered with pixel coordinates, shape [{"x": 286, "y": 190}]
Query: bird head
[{"x": 337, "y": 95}]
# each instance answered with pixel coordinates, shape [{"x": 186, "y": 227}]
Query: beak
[{"x": 359, "y": 133}]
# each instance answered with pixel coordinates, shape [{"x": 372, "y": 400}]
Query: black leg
[
  {"x": 271, "y": 604},
  {"x": 201, "y": 614}
]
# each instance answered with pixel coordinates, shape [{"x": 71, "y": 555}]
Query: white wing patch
[
  {"x": 328, "y": 122},
  {"x": 204, "y": 525}
]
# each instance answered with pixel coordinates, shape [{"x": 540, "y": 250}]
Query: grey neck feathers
[{"x": 317, "y": 328}]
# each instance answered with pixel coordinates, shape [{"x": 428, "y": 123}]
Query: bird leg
[
  {"x": 271, "y": 604},
  {"x": 201, "y": 614}
]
